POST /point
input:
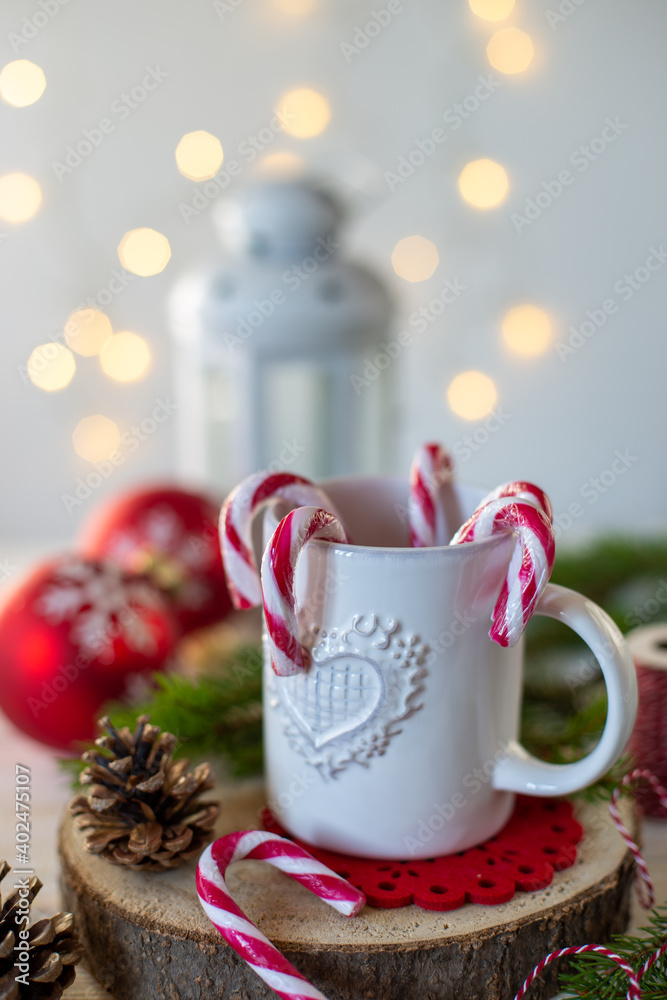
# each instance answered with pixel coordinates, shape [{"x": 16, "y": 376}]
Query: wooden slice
[{"x": 146, "y": 935}]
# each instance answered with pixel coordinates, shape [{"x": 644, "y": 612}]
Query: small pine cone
[
  {"x": 142, "y": 808},
  {"x": 52, "y": 946}
]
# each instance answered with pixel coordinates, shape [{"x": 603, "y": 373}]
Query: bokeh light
[
  {"x": 96, "y": 438},
  {"x": 527, "y": 330},
  {"x": 510, "y": 51},
  {"x": 144, "y": 252},
  {"x": 125, "y": 357},
  {"x": 20, "y": 197},
  {"x": 472, "y": 395},
  {"x": 298, "y": 8},
  {"x": 484, "y": 183},
  {"x": 51, "y": 367},
  {"x": 199, "y": 156},
  {"x": 87, "y": 331},
  {"x": 303, "y": 113},
  {"x": 415, "y": 258},
  {"x": 281, "y": 165},
  {"x": 21, "y": 83},
  {"x": 492, "y": 10}
]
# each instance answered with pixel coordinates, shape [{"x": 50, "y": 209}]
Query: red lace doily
[{"x": 539, "y": 838}]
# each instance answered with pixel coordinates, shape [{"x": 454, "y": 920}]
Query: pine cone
[
  {"x": 52, "y": 946},
  {"x": 143, "y": 807}
]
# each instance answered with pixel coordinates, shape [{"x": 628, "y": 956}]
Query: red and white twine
[
  {"x": 645, "y": 888},
  {"x": 645, "y": 891},
  {"x": 634, "y": 991}
]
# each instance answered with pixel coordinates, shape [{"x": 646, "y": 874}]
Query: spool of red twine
[{"x": 648, "y": 743}]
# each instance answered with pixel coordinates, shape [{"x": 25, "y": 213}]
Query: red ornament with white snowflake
[
  {"x": 75, "y": 634},
  {"x": 171, "y": 535}
]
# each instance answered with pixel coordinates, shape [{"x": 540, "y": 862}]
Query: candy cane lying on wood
[{"x": 242, "y": 935}]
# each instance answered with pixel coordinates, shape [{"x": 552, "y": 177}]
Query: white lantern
[{"x": 270, "y": 348}]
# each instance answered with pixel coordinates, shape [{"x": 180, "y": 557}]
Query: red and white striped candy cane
[
  {"x": 634, "y": 991},
  {"x": 522, "y": 491},
  {"x": 530, "y": 566},
  {"x": 236, "y": 518},
  {"x": 242, "y": 935},
  {"x": 278, "y": 568},
  {"x": 431, "y": 473}
]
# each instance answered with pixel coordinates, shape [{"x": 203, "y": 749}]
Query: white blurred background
[{"x": 155, "y": 70}]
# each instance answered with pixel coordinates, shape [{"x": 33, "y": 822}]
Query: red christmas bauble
[
  {"x": 74, "y": 634},
  {"x": 171, "y": 535}
]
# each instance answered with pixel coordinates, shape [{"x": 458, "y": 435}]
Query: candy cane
[
  {"x": 278, "y": 568},
  {"x": 236, "y": 519},
  {"x": 522, "y": 491},
  {"x": 634, "y": 992},
  {"x": 432, "y": 503},
  {"x": 530, "y": 566},
  {"x": 242, "y": 935}
]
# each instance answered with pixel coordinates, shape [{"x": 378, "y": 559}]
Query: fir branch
[
  {"x": 219, "y": 713},
  {"x": 216, "y": 715},
  {"x": 593, "y": 976}
]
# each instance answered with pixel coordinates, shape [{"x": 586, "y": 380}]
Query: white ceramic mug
[{"x": 401, "y": 738}]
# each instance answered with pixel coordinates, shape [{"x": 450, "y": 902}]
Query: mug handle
[{"x": 519, "y": 771}]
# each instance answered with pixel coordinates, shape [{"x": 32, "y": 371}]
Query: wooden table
[{"x": 50, "y": 792}]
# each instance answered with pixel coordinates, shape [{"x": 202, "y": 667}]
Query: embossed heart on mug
[{"x": 336, "y": 696}]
